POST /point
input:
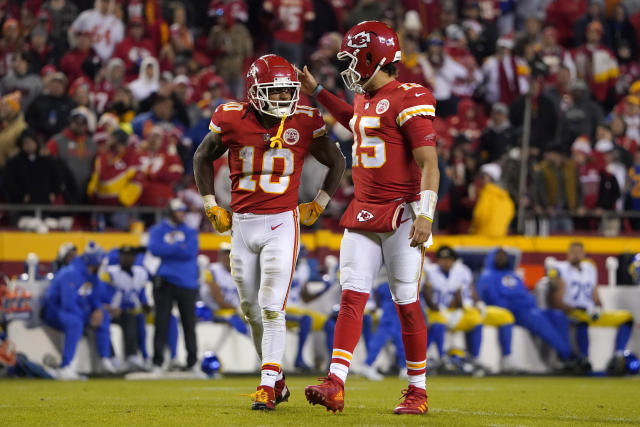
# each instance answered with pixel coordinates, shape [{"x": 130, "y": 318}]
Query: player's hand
[
  {"x": 420, "y": 231},
  {"x": 220, "y": 218},
  {"x": 309, "y": 212},
  {"x": 595, "y": 313},
  {"x": 96, "y": 317},
  {"x": 307, "y": 81}
]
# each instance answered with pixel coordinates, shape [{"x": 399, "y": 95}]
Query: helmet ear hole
[{"x": 369, "y": 58}]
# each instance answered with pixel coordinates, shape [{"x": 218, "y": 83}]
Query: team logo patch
[
  {"x": 291, "y": 136},
  {"x": 359, "y": 41},
  {"x": 364, "y": 216},
  {"x": 383, "y": 105}
]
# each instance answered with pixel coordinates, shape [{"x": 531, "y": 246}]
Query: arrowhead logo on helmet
[{"x": 359, "y": 41}]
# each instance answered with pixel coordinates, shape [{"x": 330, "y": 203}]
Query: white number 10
[{"x": 247, "y": 182}]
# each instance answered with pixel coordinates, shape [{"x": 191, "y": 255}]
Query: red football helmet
[
  {"x": 369, "y": 46},
  {"x": 272, "y": 73}
]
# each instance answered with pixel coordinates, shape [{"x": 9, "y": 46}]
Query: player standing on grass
[
  {"x": 395, "y": 173},
  {"x": 268, "y": 139}
]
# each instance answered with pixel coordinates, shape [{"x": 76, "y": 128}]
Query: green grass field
[{"x": 452, "y": 400}]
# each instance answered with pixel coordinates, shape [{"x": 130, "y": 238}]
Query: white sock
[
  {"x": 268, "y": 378},
  {"x": 340, "y": 371},
  {"x": 274, "y": 334},
  {"x": 419, "y": 381}
]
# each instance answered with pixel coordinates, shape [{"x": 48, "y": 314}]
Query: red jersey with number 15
[
  {"x": 383, "y": 165},
  {"x": 265, "y": 180}
]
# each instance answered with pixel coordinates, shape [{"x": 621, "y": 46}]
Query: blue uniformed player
[
  {"x": 499, "y": 285},
  {"x": 454, "y": 305},
  {"x": 125, "y": 284},
  {"x": 218, "y": 291},
  {"x": 574, "y": 292},
  {"x": 73, "y": 302}
]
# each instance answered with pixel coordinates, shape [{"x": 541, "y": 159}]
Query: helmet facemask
[
  {"x": 350, "y": 76},
  {"x": 259, "y": 97}
]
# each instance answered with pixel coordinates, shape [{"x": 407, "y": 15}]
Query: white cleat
[
  {"x": 371, "y": 373},
  {"x": 68, "y": 374},
  {"x": 108, "y": 366}
]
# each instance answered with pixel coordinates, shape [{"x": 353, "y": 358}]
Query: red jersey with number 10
[
  {"x": 383, "y": 165},
  {"x": 265, "y": 180}
]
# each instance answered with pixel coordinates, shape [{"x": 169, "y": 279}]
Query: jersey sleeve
[
  {"x": 415, "y": 118},
  {"x": 215, "y": 125},
  {"x": 417, "y": 102},
  {"x": 318, "y": 125}
]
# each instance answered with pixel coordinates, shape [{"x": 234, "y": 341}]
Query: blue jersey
[
  {"x": 74, "y": 289},
  {"x": 177, "y": 247}
]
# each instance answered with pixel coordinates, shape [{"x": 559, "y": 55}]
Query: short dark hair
[
  {"x": 27, "y": 134},
  {"x": 161, "y": 98},
  {"x": 390, "y": 69}
]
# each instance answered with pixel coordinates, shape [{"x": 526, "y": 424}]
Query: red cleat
[
  {"x": 415, "y": 401},
  {"x": 329, "y": 394},
  {"x": 264, "y": 399},
  {"x": 282, "y": 391}
]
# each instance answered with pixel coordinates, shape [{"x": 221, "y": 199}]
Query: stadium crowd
[{"x": 105, "y": 103}]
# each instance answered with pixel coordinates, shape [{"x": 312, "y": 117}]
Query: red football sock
[
  {"x": 414, "y": 338},
  {"x": 348, "y": 330}
]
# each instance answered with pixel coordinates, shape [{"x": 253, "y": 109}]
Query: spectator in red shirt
[
  {"x": 596, "y": 64},
  {"x": 291, "y": 17},
  {"x": 82, "y": 60},
  {"x": 161, "y": 168},
  {"x": 134, "y": 48}
]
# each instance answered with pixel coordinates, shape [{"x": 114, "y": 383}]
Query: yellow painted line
[{"x": 14, "y": 245}]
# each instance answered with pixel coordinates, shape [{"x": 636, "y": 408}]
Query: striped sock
[
  {"x": 340, "y": 363},
  {"x": 416, "y": 372}
]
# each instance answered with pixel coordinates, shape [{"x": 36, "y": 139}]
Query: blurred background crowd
[{"x": 104, "y": 102}]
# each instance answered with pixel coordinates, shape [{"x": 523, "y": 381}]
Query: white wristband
[
  {"x": 209, "y": 201},
  {"x": 322, "y": 198},
  {"x": 427, "y": 204}
]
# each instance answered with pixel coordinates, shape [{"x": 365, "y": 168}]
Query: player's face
[
  {"x": 501, "y": 260},
  {"x": 127, "y": 260},
  {"x": 280, "y": 94},
  {"x": 445, "y": 263},
  {"x": 575, "y": 254},
  {"x": 93, "y": 269},
  {"x": 178, "y": 216}
]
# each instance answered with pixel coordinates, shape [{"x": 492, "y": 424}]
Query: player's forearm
[
  {"x": 339, "y": 109},
  {"x": 209, "y": 150}
]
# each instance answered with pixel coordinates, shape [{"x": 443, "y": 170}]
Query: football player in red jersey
[
  {"x": 395, "y": 173},
  {"x": 268, "y": 139}
]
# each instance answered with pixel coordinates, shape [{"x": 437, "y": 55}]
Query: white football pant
[{"x": 264, "y": 249}]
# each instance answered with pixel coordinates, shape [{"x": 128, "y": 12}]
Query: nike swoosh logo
[
  {"x": 402, "y": 222},
  {"x": 420, "y": 94},
  {"x": 273, "y": 227}
]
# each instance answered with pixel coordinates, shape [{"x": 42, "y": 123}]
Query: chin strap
[{"x": 277, "y": 140}]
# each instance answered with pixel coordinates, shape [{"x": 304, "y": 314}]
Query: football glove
[
  {"x": 309, "y": 212},
  {"x": 594, "y": 312},
  {"x": 220, "y": 218}
]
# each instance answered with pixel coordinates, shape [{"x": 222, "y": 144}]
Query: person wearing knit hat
[{"x": 505, "y": 74}]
